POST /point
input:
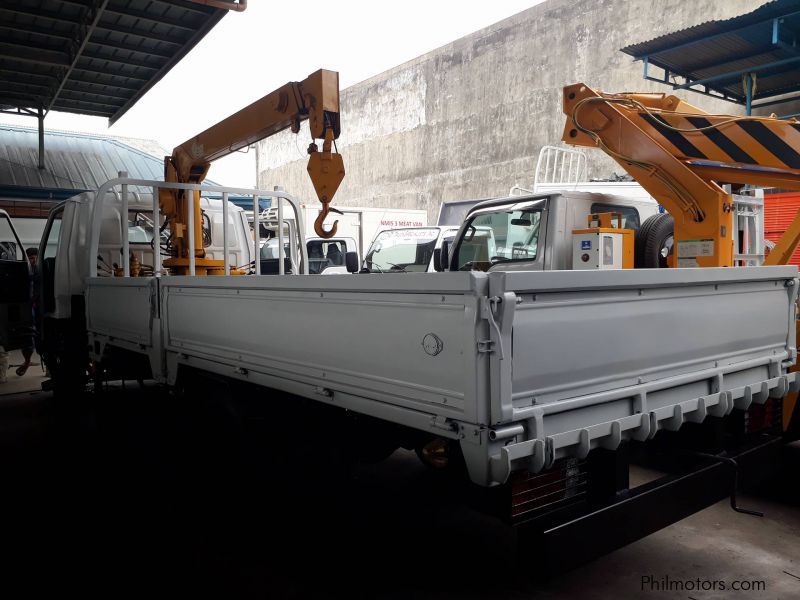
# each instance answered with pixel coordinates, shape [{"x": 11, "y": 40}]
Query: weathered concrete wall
[{"x": 468, "y": 119}]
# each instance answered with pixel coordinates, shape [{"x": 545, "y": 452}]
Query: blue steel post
[{"x": 748, "y": 84}]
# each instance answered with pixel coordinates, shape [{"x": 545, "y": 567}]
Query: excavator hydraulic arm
[
  {"x": 683, "y": 156},
  {"x": 315, "y": 99}
]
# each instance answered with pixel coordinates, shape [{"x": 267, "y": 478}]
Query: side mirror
[
  {"x": 437, "y": 260},
  {"x": 445, "y": 259},
  {"x": 351, "y": 262}
]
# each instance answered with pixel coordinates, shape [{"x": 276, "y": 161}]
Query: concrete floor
[
  {"x": 31, "y": 381},
  {"x": 138, "y": 493}
]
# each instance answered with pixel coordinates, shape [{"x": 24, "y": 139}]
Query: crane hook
[
  {"x": 326, "y": 170},
  {"x": 319, "y": 228}
]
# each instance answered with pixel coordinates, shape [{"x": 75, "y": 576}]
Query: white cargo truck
[{"x": 541, "y": 381}]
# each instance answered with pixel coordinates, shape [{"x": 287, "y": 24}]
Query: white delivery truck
[{"x": 540, "y": 380}]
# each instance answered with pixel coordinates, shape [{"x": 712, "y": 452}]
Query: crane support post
[{"x": 683, "y": 156}]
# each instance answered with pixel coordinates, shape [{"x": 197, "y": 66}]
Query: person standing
[{"x": 30, "y": 343}]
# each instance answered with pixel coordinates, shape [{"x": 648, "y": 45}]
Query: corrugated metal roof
[
  {"x": 93, "y": 57},
  {"x": 716, "y": 48},
  {"x": 74, "y": 160}
]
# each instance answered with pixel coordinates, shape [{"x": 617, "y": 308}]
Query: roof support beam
[
  {"x": 30, "y": 54},
  {"x": 137, "y": 32},
  {"x": 735, "y": 74},
  {"x": 117, "y": 61},
  {"x": 780, "y": 100},
  {"x": 71, "y": 92},
  {"x": 88, "y": 29},
  {"x": 77, "y": 85},
  {"x": 187, "y": 6},
  {"x": 35, "y": 30},
  {"x": 28, "y": 74},
  {"x": 36, "y": 12},
  {"x": 83, "y": 111},
  {"x": 10, "y": 83},
  {"x": 128, "y": 48},
  {"x": 80, "y": 103},
  {"x": 149, "y": 18},
  {"x": 18, "y": 99},
  {"x": 706, "y": 92},
  {"x": 107, "y": 74},
  {"x": 17, "y": 111}
]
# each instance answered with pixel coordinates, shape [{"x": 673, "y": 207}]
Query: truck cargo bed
[{"x": 522, "y": 367}]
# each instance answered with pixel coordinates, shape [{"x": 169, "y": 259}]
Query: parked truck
[
  {"x": 533, "y": 382},
  {"x": 542, "y": 381}
]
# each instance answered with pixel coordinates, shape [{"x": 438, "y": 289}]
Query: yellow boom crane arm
[
  {"x": 683, "y": 156},
  {"x": 316, "y": 98}
]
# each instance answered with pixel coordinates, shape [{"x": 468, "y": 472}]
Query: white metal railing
[
  {"x": 748, "y": 229},
  {"x": 123, "y": 182},
  {"x": 559, "y": 165}
]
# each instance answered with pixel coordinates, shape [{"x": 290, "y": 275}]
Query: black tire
[{"x": 654, "y": 242}]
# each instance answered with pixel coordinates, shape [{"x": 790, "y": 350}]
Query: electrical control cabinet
[{"x": 597, "y": 250}]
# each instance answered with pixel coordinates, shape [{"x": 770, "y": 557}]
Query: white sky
[{"x": 249, "y": 54}]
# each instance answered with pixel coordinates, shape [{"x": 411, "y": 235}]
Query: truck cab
[{"x": 534, "y": 232}]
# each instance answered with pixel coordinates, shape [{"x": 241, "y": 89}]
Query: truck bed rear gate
[{"x": 591, "y": 359}]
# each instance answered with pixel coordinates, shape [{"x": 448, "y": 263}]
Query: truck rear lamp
[{"x": 435, "y": 454}]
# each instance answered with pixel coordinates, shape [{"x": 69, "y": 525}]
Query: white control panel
[{"x": 596, "y": 251}]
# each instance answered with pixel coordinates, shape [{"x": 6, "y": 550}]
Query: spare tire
[{"x": 654, "y": 242}]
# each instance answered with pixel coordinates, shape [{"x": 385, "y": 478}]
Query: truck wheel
[{"x": 654, "y": 242}]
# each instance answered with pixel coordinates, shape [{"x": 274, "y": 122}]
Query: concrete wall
[{"x": 468, "y": 119}]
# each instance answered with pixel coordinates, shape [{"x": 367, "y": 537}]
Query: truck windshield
[
  {"x": 402, "y": 250},
  {"x": 500, "y": 236}
]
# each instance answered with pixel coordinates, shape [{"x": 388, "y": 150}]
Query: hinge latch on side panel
[
  {"x": 441, "y": 422},
  {"x": 485, "y": 346},
  {"x": 488, "y": 308}
]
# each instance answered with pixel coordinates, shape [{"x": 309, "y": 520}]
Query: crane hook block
[{"x": 326, "y": 170}]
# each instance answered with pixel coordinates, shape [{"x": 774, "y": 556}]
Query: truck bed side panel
[
  {"x": 121, "y": 308},
  {"x": 409, "y": 348}
]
